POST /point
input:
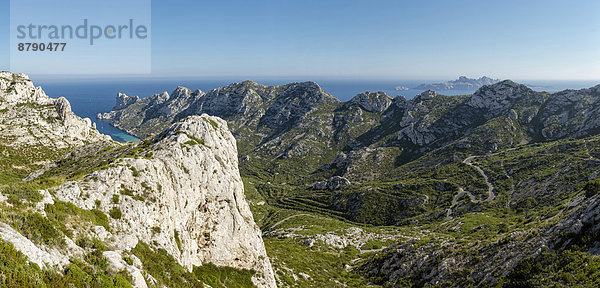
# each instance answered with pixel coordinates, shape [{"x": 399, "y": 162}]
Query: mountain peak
[
  {"x": 196, "y": 126},
  {"x": 426, "y": 95},
  {"x": 180, "y": 90},
  {"x": 310, "y": 86},
  {"x": 124, "y": 101},
  {"x": 310, "y": 90},
  {"x": 503, "y": 87},
  {"x": 499, "y": 95},
  {"x": 371, "y": 101}
]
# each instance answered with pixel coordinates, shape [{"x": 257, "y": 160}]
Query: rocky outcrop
[
  {"x": 583, "y": 222},
  {"x": 435, "y": 264},
  {"x": 332, "y": 184},
  {"x": 43, "y": 256},
  {"x": 423, "y": 123},
  {"x": 275, "y": 108},
  {"x": 188, "y": 199},
  {"x": 569, "y": 113},
  {"x": 375, "y": 102},
  {"x": 124, "y": 101},
  {"x": 29, "y": 117},
  {"x": 497, "y": 99},
  {"x": 268, "y": 121}
]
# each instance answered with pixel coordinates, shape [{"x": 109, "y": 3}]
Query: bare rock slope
[{"x": 190, "y": 189}]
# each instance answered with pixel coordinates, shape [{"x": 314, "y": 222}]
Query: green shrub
[
  {"x": 591, "y": 188},
  {"x": 38, "y": 229},
  {"x": 25, "y": 191},
  {"x": 213, "y": 123},
  {"x": 79, "y": 274},
  {"x": 550, "y": 269},
  {"x": 93, "y": 243},
  {"x": 15, "y": 270},
  {"x": 216, "y": 276},
  {"x": 125, "y": 191},
  {"x": 128, "y": 259},
  {"x": 164, "y": 268},
  {"x": 62, "y": 211},
  {"x": 96, "y": 259},
  {"x": 115, "y": 213}
]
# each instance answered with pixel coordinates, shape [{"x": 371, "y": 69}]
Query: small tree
[
  {"x": 591, "y": 188},
  {"x": 526, "y": 204}
]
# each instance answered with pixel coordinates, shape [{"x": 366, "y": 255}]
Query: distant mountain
[
  {"x": 462, "y": 83},
  {"x": 488, "y": 172},
  {"x": 282, "y": 124},
  {"x": 457, "y": 191}
]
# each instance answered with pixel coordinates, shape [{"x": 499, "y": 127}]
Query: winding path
[
  {"x": 462, "y": 192},
  {"x": 288, "y": 218},
  {"x": 490, "y": 192}
]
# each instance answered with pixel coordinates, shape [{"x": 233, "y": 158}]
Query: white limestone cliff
[
  {"x": 190, "y": 189},
  {"x": 29, "y": 117}
]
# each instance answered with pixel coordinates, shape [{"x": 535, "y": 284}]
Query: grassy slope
[{"x": 551, "y": 173}]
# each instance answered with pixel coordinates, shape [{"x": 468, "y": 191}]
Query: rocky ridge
[
  {"x": 50, "y": 123},
  {"x": 179, "y": 192},
  {"x": 287, "y": 121}
]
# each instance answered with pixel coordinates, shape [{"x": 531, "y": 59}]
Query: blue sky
[{"x": 370, "y": 39}]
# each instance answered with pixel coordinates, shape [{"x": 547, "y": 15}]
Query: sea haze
[{"x": 90, "y": 97}]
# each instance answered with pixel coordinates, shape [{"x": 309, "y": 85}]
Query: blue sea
[{"x": 90, "y": 97}]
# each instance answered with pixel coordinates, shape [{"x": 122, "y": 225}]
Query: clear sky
[{"x": 385, "y": 39}]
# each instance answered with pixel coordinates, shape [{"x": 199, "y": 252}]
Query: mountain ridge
[
  {"x": 375, "y": 191},
  {"x": 462, "y": 83},
  {"x": 417, "y": 126}
]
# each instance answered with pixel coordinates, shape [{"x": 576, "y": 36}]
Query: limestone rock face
[
  {"x": 375, "y": 102},
  {"x": 123, "y": 101},
  {"x": 42, "y": 256},
  {"x": 333, "y": 183},
  {"x": 498, "y": 98},
  {"x": 570, "y": 113},
  {"x": 274, "y": 114},
  {"x": 30, "y": 117},
  {"x": 190, "y": 190}
]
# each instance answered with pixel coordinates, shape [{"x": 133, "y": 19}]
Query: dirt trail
[
  {"x": 490, "y": 191},
  {"x": 462, "y": 192},
  {"x": 288, "y": 218}
]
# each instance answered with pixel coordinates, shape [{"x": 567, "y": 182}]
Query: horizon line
[{"x": 298, "y": 78}]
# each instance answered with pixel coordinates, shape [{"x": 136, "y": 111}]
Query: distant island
[
  {"x": 462, "y": 83},
  {"x": 401, "y": 88}
]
